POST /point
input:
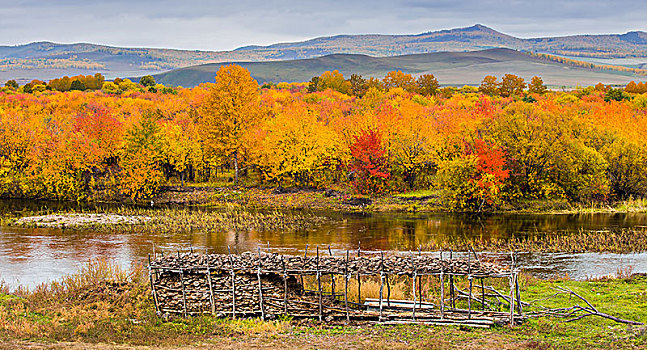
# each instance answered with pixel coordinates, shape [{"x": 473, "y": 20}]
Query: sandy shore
[{"x": 79, "y": 220}]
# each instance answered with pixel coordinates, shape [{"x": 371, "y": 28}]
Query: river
[{"x": 29, "y": 256}]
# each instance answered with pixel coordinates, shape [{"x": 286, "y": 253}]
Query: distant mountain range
[
  {"x": 451, "y": 68},
  {"x": 45, "y": 60}
]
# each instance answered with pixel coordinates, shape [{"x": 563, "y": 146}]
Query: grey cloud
[{"x": 217, "y": 25}]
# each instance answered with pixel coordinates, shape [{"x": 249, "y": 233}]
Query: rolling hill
[
  {"x": 45, "y": 60},
  {"x": 451, "y": 68}
]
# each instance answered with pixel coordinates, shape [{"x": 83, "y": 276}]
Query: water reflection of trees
[{"x": 375, "y": 232}]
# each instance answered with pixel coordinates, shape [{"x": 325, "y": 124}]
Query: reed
[{"x": 632, "y": 240}]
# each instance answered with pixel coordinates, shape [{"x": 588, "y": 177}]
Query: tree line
[{"x": 480, "y": 148}]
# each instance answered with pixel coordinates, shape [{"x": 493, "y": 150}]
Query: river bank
[
  {"x": 427, "y": 201},
  {"x": 104, "y": 307}
]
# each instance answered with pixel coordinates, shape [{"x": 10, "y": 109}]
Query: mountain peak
[
  {"x": 477, "y": 28},
  {"x": 637, "y": 37}
]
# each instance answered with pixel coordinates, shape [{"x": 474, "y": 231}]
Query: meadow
[{"x": 103, "y": 306}]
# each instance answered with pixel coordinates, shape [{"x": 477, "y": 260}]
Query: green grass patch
[
  {"x": 418, "y": 194},
  {"x": 104, "y": 304}
]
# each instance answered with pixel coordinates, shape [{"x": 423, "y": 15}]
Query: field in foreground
[{"x": 103, "y": 307}]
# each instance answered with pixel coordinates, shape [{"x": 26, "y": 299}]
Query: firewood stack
[
  {"x": 269, "y": 285},
  {"x": 364, "y": 265}
]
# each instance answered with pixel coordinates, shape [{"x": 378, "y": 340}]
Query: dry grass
[
  {"x": 103, "y": 303},
  {"x": 177, "y": 220},
  {"x": 615, "y": 241}
]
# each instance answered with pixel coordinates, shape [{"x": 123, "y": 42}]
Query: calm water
[{"x": 32, "y": 256}]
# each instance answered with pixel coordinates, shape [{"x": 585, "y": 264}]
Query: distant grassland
[{"x": 451, "y": 68}]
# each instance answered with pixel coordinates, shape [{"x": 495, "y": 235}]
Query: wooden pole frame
[
  {"x": 260, "y": 286},
  {"x": 233, "y": 284}
]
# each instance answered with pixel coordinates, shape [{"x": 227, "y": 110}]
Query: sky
[{"x": 226, "y": 25}]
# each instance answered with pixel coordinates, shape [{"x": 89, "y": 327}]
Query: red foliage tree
[
  {"x": 490, "y": 173},
  {"x": 369, "y": 164}
]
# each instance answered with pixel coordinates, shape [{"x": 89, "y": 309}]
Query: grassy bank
[
  {"x": 170, "y": 220},
  {"x": 339, "y": 199},
  {"x": 106, "y": 305}
]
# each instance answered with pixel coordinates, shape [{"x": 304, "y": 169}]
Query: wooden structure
[{"x": 268, "y": 285}]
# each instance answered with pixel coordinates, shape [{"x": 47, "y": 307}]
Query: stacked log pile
[
  {"x": 364, "y": 265},
  {"x": 269, "y": 285}
]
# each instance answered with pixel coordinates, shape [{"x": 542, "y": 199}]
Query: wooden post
[
  {"x": 260, "y": 286},
  {"x": 319, "y": 288},
  {"x": 183, "y": 291},
  {"x": 420, "y": 278},
  {"x": 511, "y": 278},
  {"x": 442, "y": 287},
  {"x": 451, "y": 281},
  {"x": 469, "y": 298},
  {"x": 213, "y": 304},
  {"x": 285, "y": 286},
  {"x": 442, "y": 295},
  {"x": 233, "y": 285},
  {"x": 381, "y": 282},
  {"x": 359, "y": 278},
  {"x": 482, "y": 294},
  {"x": 469, "y": 278},
  {"x": 516, "y": 283},
  {"x": 305, "y": 259},
  {"x": 332, "y": 278},
  {"x": 388, "y": 292},
  {"x": 346, "y": 277},
  {"x": 413, "y": 280},
  {"x": 150, "y": 277}
]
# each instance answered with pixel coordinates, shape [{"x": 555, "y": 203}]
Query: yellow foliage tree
[
  {"x": 398, "y": 79},
  {"x": 297, "y": 146},
  {"x": 334, "y": 80},
  {"x": 180, "y": 146},
  {"x": 231, "y": 110}
]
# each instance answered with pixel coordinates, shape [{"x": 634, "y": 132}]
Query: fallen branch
[{"x": 590, "y": 310}]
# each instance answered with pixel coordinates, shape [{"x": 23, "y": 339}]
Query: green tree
[
  {"x": 357, "y": 85},
  {"x": 615, "y": 95},
  {"x": 147, "y": 81},
  {"x": 313, "y": 85},
  {"x": 77, "y": 85},
  {"x": 427, "y": 85},
  {"x": 141, "y": 176},
  {"x": 12, "y": 84}
]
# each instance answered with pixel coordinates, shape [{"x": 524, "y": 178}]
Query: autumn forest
[{"x": 84, "y": 139}]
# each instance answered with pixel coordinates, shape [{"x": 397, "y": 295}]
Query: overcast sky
[{"x": 225, "y": 25}]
